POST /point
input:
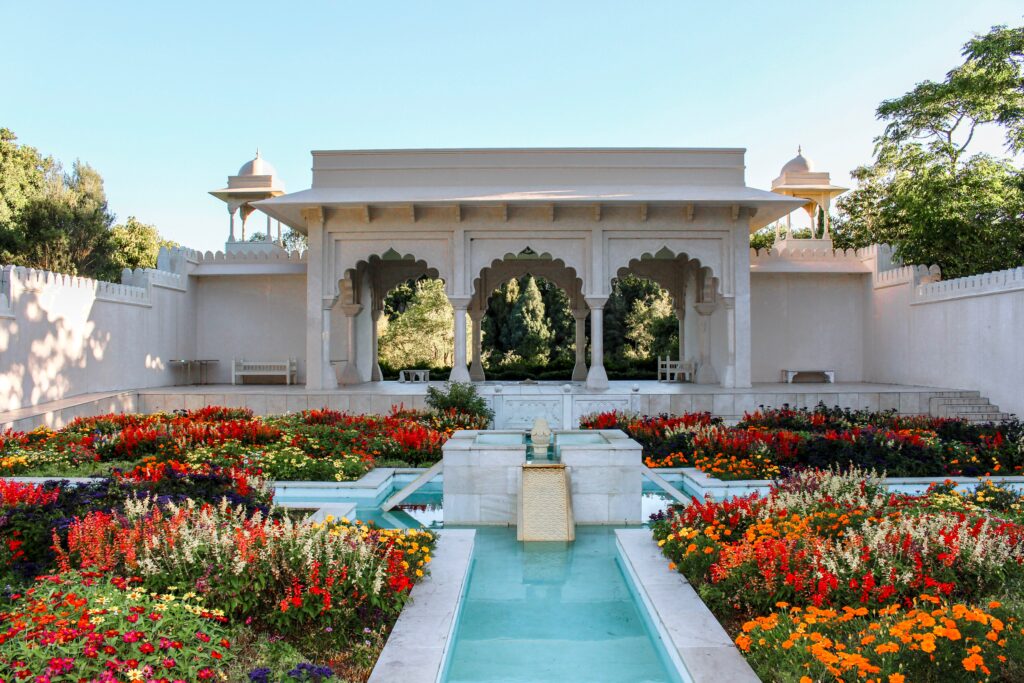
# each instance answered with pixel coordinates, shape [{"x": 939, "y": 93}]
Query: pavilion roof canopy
[{"x": 696, "y": 177}]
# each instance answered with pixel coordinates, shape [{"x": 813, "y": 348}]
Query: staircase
[
  {"x": 545, "y": 504},
  {"x": 968, "y": 405}
]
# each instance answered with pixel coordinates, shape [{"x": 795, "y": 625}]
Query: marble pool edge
[
  {"x": 418, "y": 647},
  {"x": 697, "y": 644}
]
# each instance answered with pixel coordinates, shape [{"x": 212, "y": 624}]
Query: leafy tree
[
  {"x": 421, "y": 335},
  {"x": 763, "y": 239},
  {"x": 134, "y": 245},
  {"x": 23, "y": 173},
  {"x": 652, "y": 328},
  {"x": 66, "y": 228},
  {"x": 528, "y": 333},
  {"x": 60, "y": 221},
  {"x": 925, "y": 194}
]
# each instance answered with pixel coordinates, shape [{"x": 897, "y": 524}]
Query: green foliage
[
  {"x": 763, "y": 239},
  {"x": 924, "y": 194},
  {"x": 639, "y": 322},
  {"x": 528, "y": 332},
  {"x": 418, "y": 328},
  {"x": 61, "y": 222},
  {"x": 461, "y": 397},
  {"x": 134, "y": 245}
]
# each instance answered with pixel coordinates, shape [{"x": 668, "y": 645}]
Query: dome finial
[{"x": 799, "y": 150}]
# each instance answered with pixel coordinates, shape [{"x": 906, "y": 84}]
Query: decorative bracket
[
  {"x": 643, "y": 213},
  {"x": 366, "y": 212},
  {"x": 597, "y": 212},
  {"x": 688, "y": 212},
  {"x": 313, "y": 214},
  {"x": 735, "y": 212}
]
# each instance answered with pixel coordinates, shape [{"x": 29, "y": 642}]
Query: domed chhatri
[
  {"x": 257, "y": 167},
  {"x": 799, "y": 179},
  {"x": 798, "y": 164},
  {"x": 256, "y": 179}
]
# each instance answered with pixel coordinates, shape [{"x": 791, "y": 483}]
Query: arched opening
[
  {"x": 649, "y": 318},
  {"x": 527, "y": 331},
  {"x": 413, "y": 295},
  {"x": 640, "y": 326},
  {"x": 415, "y": 328},
  {"x": 527, "y": 314}
]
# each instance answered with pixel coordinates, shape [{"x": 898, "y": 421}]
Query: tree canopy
[
  {"x": 926, "y": 193},
  {"x": 60, "y": 221}
]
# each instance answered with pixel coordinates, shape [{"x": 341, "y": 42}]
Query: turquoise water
[{"x": 538, "y": 612}]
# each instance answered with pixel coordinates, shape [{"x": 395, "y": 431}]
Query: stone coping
[
  {"x": 418, "y": 647},
  {"x": 701, "y": 484},
  {"x": 696, "y": 643}
]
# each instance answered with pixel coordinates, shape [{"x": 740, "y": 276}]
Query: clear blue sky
[{"x": 168, "y": 99}]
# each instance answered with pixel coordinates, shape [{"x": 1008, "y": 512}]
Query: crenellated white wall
[
  {"x": 62, "y": 335},
  {"x": 964, "y": 333}
]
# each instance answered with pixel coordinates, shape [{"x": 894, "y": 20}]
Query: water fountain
[{"x": 597, "y": 471}]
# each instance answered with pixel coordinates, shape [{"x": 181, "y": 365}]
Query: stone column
[
  {"x": 375, "y": 374},
  {"x": 597, "y": 378},
  {"x": 705, "y": 371},
  {"x": 476, "y": 366},
  {"x": 459, "y": 371},
  {"x": 579, "y": 371},
  {"x": 319, "y": 374},
  {"x": 681, "y": 317},
  {"x": 231, "y": 215},
  {"x": 269, "y": 237},
  {"x": 729, "y": 378},
  {"x": 350, "y": 373}
]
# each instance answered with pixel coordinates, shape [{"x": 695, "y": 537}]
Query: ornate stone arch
[{"x": 527, "y": 262}]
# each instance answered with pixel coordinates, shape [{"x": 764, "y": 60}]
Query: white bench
[
  {"x": 789, "y": 375},
  {"x": 241, "y": 367},
  {"x": 414, "y": 376},
  {"x": 675, "y": 370}
]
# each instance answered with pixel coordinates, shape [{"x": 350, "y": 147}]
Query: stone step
[
  {"x": 987, "y": 417},
  {"x": 964, "y": 400},
  {"x": 954, "y": 394},
  {"x": 969, "y": 408}
]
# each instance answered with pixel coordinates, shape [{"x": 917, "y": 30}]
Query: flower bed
[
  {"x": 177, "y": 576},
  {"x": 315, "y": 445},
  {"x": 829, "y": 577},
  {"x": 769, "y": 442}
]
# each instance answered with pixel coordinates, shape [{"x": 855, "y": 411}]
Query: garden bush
[{"x": 461, "y": 397}]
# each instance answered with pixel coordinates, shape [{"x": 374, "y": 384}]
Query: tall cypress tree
[{"x": 529, "y": 335}]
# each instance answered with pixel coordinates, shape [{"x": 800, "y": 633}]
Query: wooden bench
[
  {"x": 241, "y": 368},
  {"x": 675, "y": 370},
  {"x": 414, "y": 376},
  {"x": 789, "y": 375}
]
